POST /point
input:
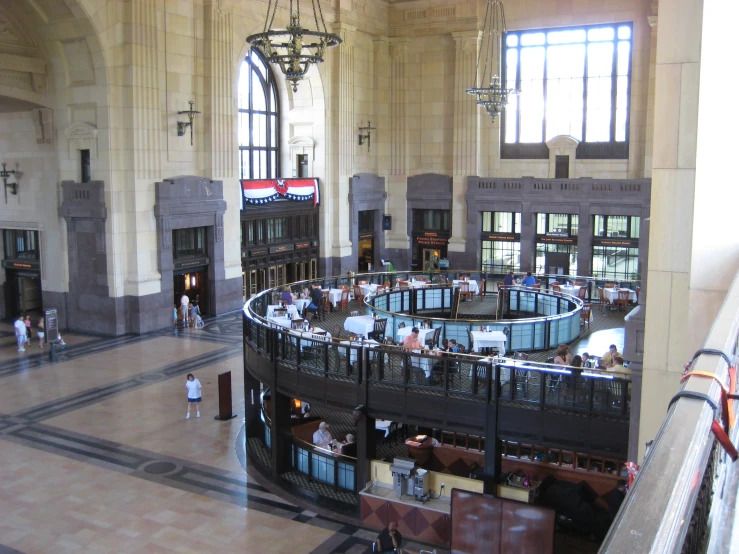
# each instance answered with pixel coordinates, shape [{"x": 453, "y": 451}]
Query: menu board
[{"x": 51, "y": 325}]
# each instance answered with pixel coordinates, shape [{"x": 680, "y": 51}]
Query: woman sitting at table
[
  {"x": 287, "y": 297},
  {"x": 563, "y": 357},
  {"x": 411, "y": 342}
]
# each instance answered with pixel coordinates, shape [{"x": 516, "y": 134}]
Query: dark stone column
[
  {"x": 366, "y": 449},
  {"x": 528, "y": 237},
  {"x": 281, "y": 434},
  {"x": 492, "y": 468}
]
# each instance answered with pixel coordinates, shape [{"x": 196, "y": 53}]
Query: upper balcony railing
[{"x": 684, "y": 496}]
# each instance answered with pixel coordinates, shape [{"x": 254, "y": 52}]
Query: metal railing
[{"x": 684, "y": 496}]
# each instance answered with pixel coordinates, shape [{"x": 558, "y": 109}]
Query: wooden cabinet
[{"x": 413, "y": 522}]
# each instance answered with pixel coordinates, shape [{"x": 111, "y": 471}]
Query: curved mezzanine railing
[{"x": 584, "y": 409}]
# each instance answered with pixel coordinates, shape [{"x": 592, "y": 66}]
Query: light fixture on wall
[
  {"x": 183, "y": 125},
  {"x": 193, "y": 281},
  {"x": 366, "y": 137},
  {"x": 294, "y": 48},
  {"x": 494, "y": 97},
  {"x": 5, "y": 173}
]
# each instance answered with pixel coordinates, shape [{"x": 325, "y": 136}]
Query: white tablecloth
[
  {"x": 418, "y": 284},
  {"x": 383, "y": 425},
  {"x": 492, "y": 339},
  {"x": 360, "y": 324},
  {"x": 301, "y": 303},
  {"x": 291, "y": 309},
  {"x": 353, "y": 351},
  {"x": 406, "y": 331},
  {"x": 424, "y": 363},
  {"x": 334, "y": 296},
  {"x": 473, "y": 285},
  {"x": 612, "y": 294},
  {"x": 572, "y": 290},
  {"x": 368, "y": 289}
]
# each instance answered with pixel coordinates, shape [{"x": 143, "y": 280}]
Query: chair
[
  {"x": 401, "y": 325},
  {"x": 358, "y": 294},
  {"x": 336, "y": 333},
  {"x": 610, "y": 286},
  {"x": 378, "y": 333},
  {"x": 585, "y": 314},
  {"x": 578, "y": 283},
  {"x": 501, "y": 286},
  {"x": 434, "y": 340},
  {"x": 537, "y": 286},
  {"x": 279, "y": 312},
  {"x": 623, "y": 300},
  {"x": 464, "y": 290},
  {"x": 297, "y": 323},
  {"x": 582, "y": 292},
  {"x": 603, "y": 300},
  {"x": 638, "y": 293},
  {"x": 344, "y": 302},
  {"x": 403, "y": 284},
  {"x": 481, "y": 289},
  {"x": 556, "y": 289},
  {"x": 469, "y": 337}
]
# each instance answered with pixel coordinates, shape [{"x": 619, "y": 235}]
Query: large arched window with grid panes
[{"x": 259, "y": 128}]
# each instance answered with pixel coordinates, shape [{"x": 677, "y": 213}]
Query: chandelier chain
[
  {"x": 267, "y": 21},
  {"x": 320, "y": 11}
]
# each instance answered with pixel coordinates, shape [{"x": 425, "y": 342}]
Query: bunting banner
[{"x": 261, "y": 191}]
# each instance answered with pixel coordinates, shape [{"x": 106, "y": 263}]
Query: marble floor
[{"x": 96, "y": 455}]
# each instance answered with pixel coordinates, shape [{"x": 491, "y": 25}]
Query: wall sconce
[
  {"x": 182, "y": 125},
  {"x": 5, "y": 173},
  {"x": 366, "y": 137},
  {"x": 193, "y": 281}
]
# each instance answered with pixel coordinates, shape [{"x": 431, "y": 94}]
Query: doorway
[
  {"x": 431, "y": 257},
  {"x": 193, "y": 283},
  {"x": 22, "y": 292},
  {"x": 366, "y": 261}
]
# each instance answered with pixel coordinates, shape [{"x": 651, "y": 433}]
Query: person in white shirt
[
  {"x": 322, "y": 437},
  {"x": 194, "y": 391},
  {"x": 20, "y": 333},
  {"x": 184, "y": 303}
]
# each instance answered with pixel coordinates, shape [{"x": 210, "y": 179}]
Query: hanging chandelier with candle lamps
[
  {"x": 294, "y": 49},
  {"x": 494, "y": 97}
]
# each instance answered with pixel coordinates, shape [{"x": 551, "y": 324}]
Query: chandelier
[
  {"x": 494, "y": 98},
  {"x": 294, "y": 48}
]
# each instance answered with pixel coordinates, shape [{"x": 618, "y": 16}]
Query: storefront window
[
  {"x": 21, "y": 245},
  {"x": 615, "y": 263},
  {"x": 616, "y": 226},
  {"x": 501, "y": 222},
  {"x": 557, "y": 224},
  {"x": 501, "y": 256},
  {"x": 431, "y": 220},
  {"x": 277, "y": 229},
  {"x": 189, "y": 243},
  {"x": 545, "y": 263}
]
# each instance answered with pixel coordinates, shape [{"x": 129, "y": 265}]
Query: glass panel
[
  {"x": 615, "y": 263},
  {"x": 562, "y": 37},
  {"x": 541, "y": 224},
  {"x": 623, "y": 56},
  {"x": 622, "y": 84},
  {"x": 617, "y": 226},
  {"x": 511, "y": 122},
  {"x": 259, "y": 129},
  {"x": 243, "y": 86},
  {"x": 532, "y": 93},
  {"x": 487, "y": 222},
  {"x": 517, "y": 223},
  {"x": 259, "y": 98},
  {"x": 601, "y": 33},
  {"x": 565, "y": 71},
  {"x": 263, "y": 174},
  {"x": 511, "y": 40},
  {"x": 256, "y": 167},
  {"x": 532, "y": 39},
  {"x": 243, "y": 130},
  {"x": 599, "y": 226},
  {"x": 557, "y": 223},
  {"x": 245, "y": 164},
  {"x": 574, "y": 225},
  {"x": 259, "y": 64},
  {"x": 624, "y": 32},
  {"x": 503, "y": 222},
  {"x": 273, "y": 166},
  {"x": 635, "y": 223},
  {"x": 600, "y": 64},
  {"x": 273, "y": 131}
]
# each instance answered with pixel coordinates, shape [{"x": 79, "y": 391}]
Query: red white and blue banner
[{"x": 261, "y": 191}]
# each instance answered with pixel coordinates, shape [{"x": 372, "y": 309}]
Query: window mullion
[{"x": 544, "y": 93}]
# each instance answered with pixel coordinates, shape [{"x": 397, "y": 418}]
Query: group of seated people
[
  {"x": 412, "y": 342},
  {"x": 528, "y": 281},
  {"x": 612, "y": 360},
  {"x": 324, "y": 439}
]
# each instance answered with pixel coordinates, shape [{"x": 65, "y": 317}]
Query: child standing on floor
[{"x": 194, "y": 391}]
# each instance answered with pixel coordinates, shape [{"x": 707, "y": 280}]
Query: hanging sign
[{"x": 262, "y": 191}]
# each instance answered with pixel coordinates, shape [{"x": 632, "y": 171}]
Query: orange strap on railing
[{"x": 727, "y": 411}]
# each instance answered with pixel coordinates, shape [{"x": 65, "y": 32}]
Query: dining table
[
  {"x": 489, "y": 339},
  {"x": 384, "y": 425},
  {"x": 334, "y": 296},
  {"x": 360, "y": 325},
  {"x": 612, "y": 294},
  {"x": 473, "y": 284},
  {"x": 572, "y": 290},
  {"x": 369, "y": 288},
  {"x": 358, "y": 344},
  {"x": 291, "y": 309},
  {"x": 301, "y": 303}
]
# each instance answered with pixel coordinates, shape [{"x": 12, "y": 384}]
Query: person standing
[
  {"x": 29, "y": 334},
  {"x": 41, "y": 333},
  {"x": 20, "y": 333},
  {"x": 174, "y": 315},
  {"x": 184, "y": 303},
  {"x": 194, "y": 394}
]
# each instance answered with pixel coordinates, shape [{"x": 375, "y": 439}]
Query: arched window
[{"x": 259, "y": 129}]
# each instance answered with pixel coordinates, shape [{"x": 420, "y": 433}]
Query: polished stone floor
[{"x": 96, "y": 455}]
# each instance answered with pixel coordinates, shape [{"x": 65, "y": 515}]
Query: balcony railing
[{"x": 684, "y": 497}]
